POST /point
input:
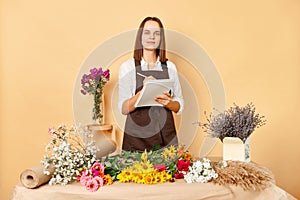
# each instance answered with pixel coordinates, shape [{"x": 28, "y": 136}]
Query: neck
[{"x": 149, "y": 56}]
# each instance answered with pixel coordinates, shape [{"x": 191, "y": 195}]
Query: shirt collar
[{"x": 144, "y": 63}]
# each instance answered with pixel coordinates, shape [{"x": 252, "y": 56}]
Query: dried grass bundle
[{"x": 249, "y": 176}]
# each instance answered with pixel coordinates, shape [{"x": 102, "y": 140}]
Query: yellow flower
[
  {"x": 148, "y": 179},
  {"x": 124, "y": 177},
  {"x": 165, "y": 176},
  {"x": 140, "y": 167},
  {"x": 169, "y": 153},
  {"x": 187, "y": 156},
  {"x": 107, "y": 180},
  {"x": 144, "y": 156},
  {"x": 151, "y": 177},
  {"x": 140, "y": 178},
  {"x": 158, "y": 178},
  {"x": 147, "y": 166}
]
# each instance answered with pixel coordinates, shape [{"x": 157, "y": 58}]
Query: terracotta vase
[{"x": 102, "y": 135}]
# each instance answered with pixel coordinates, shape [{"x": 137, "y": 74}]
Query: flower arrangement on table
[
  {"x": 71, "y": 153},
  {"x": 159, "y": 166},
  {"x": 235, "y": 122},
  {"x": 93, "y": 84}
]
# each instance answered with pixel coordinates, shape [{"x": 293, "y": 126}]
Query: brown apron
[{"x": 151, "y": 126}]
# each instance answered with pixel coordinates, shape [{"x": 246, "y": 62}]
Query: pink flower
[
  {"x": 92, "y": 185},
  {"x": 99, "y": 180},
  {"x": 84, "y": 179},
  {"x": 98, "y": 169},
  {"x": 160, "y": 167},
  {"x": 51, "y": 131}
]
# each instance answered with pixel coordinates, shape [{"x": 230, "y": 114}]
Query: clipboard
[{"x": 151, "y": 89}]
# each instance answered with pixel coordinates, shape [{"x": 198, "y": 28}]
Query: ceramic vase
[
  {"x": 102, "y": 135},
  {"x": 235, "y": 149}
]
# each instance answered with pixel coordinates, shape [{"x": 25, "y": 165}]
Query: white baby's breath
[
  {"x": 70, "y": 151},
  {"x": 201, "y": 171}
]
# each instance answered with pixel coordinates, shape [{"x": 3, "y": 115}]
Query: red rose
[
  {"x": 179, "y": 175},
  {"x": 183, "y": 165}
]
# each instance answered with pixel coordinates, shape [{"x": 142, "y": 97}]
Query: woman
[{"x": 153, "y": 126}]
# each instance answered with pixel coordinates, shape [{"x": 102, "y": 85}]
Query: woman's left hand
[{"x": 164, "y": 99}]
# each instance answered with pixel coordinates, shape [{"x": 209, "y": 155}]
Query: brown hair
[{"x": 138, "y": 48}]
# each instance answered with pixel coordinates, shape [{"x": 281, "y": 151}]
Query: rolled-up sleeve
[
  {"x": 126, "y": 82},
  {"x": 177, "y": 93}
]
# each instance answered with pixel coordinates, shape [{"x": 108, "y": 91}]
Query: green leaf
[{"x": 156, "y": 147}]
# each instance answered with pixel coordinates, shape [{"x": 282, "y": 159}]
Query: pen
[{"x": 142, "y": 75}]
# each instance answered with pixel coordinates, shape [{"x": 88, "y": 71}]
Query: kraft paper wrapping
[{"x": 34, "y": 177}]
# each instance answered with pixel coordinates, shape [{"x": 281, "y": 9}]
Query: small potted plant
[{"x": 233, "y": 127}]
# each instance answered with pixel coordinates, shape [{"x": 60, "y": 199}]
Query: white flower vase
[
  {"x": 247, "y": 150},
  {"x": 235, "y": 149}
]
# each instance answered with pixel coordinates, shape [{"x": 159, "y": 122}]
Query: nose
[{"x": 152, "y": 36}]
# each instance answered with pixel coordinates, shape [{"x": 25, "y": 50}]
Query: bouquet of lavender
[
  {"x": 93, "y": 84},
  {"x": 235, "y": 122}
]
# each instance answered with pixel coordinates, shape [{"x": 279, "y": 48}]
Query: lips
[{"x": 150, "y": 42}]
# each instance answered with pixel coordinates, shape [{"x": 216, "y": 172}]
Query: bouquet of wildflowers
[
  {"x": 234, "y": 122},
  {"x": 172, "y": 160},
  {"x": 93, "y": 84},
  {"x": 70, "y": 151}
]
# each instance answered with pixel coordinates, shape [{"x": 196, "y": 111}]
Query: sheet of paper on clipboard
[{"x": 151, "y": 89}]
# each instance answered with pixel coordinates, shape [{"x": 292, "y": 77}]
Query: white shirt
[{"x": 127, "y": 81}]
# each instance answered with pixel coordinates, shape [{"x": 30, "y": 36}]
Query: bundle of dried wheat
[{"x": 249, "y": 176}]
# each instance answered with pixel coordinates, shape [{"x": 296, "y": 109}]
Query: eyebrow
[{"x": 149, "y": 30}]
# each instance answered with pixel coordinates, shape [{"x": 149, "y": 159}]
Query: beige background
[{"x": 255, "y": 45}]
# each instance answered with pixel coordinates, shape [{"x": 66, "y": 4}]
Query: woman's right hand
[{"x": 128, "y": 105}]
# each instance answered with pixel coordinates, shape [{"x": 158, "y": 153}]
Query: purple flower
[
  {"x": 94, "y": 71},
  {"x": 100, "y": 72},
  {"x": 93, "y": 83},
  {"x": 83, "y": 92},
  {"x": 84, "y": 79},
  {"x": 106, "y": 74}
]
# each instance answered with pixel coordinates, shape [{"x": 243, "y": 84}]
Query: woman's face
[{"x": 151, "y": 35}]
